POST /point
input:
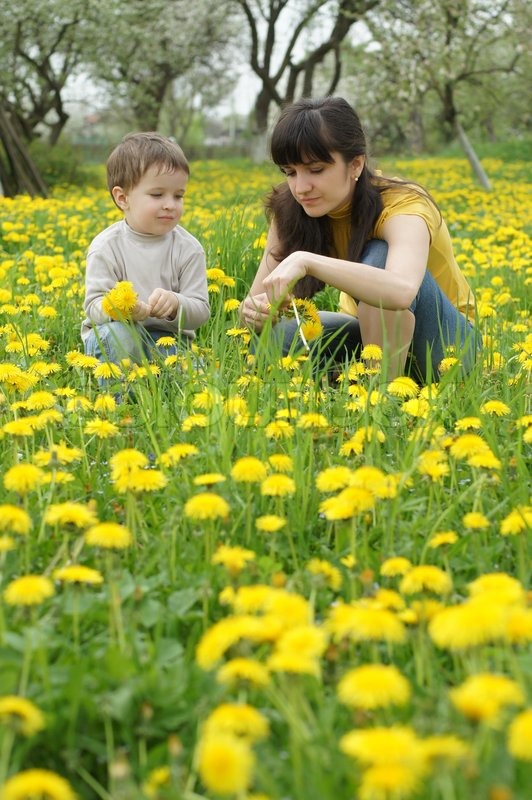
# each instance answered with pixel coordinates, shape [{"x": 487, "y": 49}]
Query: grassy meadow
[{"x": 243, "y": 582}]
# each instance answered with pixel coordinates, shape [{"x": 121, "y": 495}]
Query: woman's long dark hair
[{"x": 310, "y": 130}]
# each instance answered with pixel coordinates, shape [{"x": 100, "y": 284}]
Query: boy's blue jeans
[
  {"x": 116, "y": 341},
  {"x": 438, "y": 325}
]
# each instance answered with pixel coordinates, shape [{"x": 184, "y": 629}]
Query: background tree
[
  {"x": 289, "y": 39},
  {"x": 142, "y": 47},
  {"x": 444, "y": 54}
]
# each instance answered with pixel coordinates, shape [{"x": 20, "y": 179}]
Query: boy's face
[{"x": 155, "y": 205}]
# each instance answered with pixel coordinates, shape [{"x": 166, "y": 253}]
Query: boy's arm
[{"x": 192, "y": 295}]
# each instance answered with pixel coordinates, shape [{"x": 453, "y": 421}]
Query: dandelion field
[{"x": 246, "y": 582}]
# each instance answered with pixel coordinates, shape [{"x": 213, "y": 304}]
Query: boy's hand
[
  {"x": 163, "y": 304},
  {"x": 141, "y": 311}
]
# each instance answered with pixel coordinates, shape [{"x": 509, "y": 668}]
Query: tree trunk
[
  {"x": 472, "y": 157},
  {"x": 18, "y": 173}
]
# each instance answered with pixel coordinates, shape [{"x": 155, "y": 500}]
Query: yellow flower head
[
  {"x": 281, "y": 462},
  {"x": 278, "y": 486},
  {"x": 243, "y": 671},
  {"x": 329, "y": 573},
  {"x": 481, "y": 697},
  {"x": 426, "y": 578},
  {"x": 270, "y": 523},
  {"x": 520, "y": 736},
  {"x": 248, "y": 469},
  {"x": 226, "y": 764},
  {"x": 77, "y": 573},
  {"x": 373, "y": 686},
  {"x": 234, "y": 559},
  {"x": 237, "y": 719},
  {"x": 21, "y": 715},
  {"x": 75, "y": 514},
  {"x": 109, "y": 535},
  {"x": 120, "y": 301},
  {"x": 206, "y": 505},
  {"x": 23, "y": 478},
  {"x": 396, "y": 565},
  {"x": 37, "y": 783},
  {"x": 28, "y": 590},
  {"x": 14, "y": 519}
]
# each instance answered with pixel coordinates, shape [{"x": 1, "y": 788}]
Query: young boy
[{"x": 147, "y": 176}]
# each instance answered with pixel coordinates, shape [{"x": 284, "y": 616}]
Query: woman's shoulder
[{"x": 403, "y": 197}]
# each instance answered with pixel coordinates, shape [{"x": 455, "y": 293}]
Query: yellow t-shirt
[{"x": 441, "y": 261}]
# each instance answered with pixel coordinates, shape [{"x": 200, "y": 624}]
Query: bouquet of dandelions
[
  {"x": 120, "y": 301},
  {"x": 308, "y": 320}
]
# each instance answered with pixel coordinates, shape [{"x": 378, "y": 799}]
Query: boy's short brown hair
[{"x": 136, "y": 153}]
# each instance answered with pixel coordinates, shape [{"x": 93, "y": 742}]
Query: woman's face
[{"x": 320, "y": 186}]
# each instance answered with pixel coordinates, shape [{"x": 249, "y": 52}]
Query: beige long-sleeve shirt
[{"x": 173, "y": 261}]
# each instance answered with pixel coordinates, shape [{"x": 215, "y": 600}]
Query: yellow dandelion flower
[
  {"x": 21, "y": 715},
  {"x": 176, "y": 453},
  {"x": 416, "y": 407},
  {"x": 426, "y": 578},
  {"x": 472, "y": 623},
  {"x": 19, "y": 427},
  {"x": 467, "y": 445},
  {"x": 375, "y": 481},
  {"x": 520, "y": 736},
  {"x": 517, "y": 521},
  {"x": 270, "y": 523},
  {"x": 37, "y": 401},
  {"x": 371, "y": 352},
  {"x": 365, "y": 624},
  {"x": 498, "y": 586},
  {"x": 37, "y": 783},
  {"x": 351, "y": 501},
  {"x": 120, "y": 301},
  {"x": 158, "y": 778},
  {"x": 104, "y": 403},
  {"x": 333, "y": 478},
  {"x": 281, "y": 462},
  {"x": 495, "y": 408},
  {"x": 248, "y": 469},
  {"x": 383, "y": 746},
  {"x": 77, "y": 573},
  {"x": 279, "y": 429},
  {"x": 195, "y": 421},
  {"x": 109, "y": 535},
  {"x": 307, "y": 641},
  {"x": 208, "y": 479},
  {"x": 14, "y": 519},
  {"x": 442, "y": 538},
  {"x": 57, "y": 454},
  {"x": 206, "y": 505},
  {"x": 234, "y": 559},
  {"x": 125, "y": 461},
  {"x": 140, "y": 480},
  {"x": 396, "y": 565},
  {"x": 7, "y": 543},
  {"x": 475, "y": 521},
  {"x": 467, "y": 423},
  {"x": 76, "y": 514},
  {"x": 312, "y": 421},
  {"x": 23, "y": 478},
  {"x": 237, "y": 719},
  {"x": 243, "y": 671},
  {"x": 481, "y": 697},
  {"x": 485, "y": 460},
  {"x": 394, "y": 781},
  {"x": 278, "y": 485},
  {"x": 403, "y": 386},
  {"x": 225, "y": 764},
  {"x": 373, "y": 686},
  {"x": 28, "y": 590},
  {"x": 107, "y": 370},
  {"x": 433, "y": 464},
  {"x": 231, "y": 305},
  {"x": 324, "y": 569},
  {"x": 101, "y": 428},
  {"x": 519, "y": 625},
  {"x": 292, "y": 662}
]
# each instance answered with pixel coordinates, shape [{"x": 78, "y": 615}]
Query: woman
[{"x": 380, "y": 241}]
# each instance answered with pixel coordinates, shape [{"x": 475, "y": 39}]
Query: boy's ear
[{"x": 120, "y": 197}]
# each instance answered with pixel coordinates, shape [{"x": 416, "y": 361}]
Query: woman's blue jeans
[{"x": 438, "y": 325}]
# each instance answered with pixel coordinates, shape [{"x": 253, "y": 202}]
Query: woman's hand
[
  {"x": 256, "y": 310},
  {"x": 281, "y": 280}
]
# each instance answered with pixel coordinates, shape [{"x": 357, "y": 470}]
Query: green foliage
[{"x": 61, "y": 164}]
